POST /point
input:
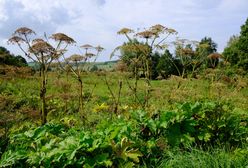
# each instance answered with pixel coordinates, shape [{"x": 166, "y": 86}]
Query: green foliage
[
  {"x": 168, "y": 65},
  {"x": 206, "y": 47},
  {"x": 137, "y": 140},
  {"x": 210, "y": 46},
  {"x": 213, "y": 158},
  {"x": 10, "y": 59},
  {"x": 236, "y": 50},
  {"x": 130, "y": 138},
  {"x": 243, "y": 39},
  {"x": 231, "y": 52}
]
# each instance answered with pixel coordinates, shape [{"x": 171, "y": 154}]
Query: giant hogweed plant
[
  {"x": 187, "y": 56},
  {"x": 149, "y": 40},
  {"x": 191, "y": 55},
  {"x": 43, "y": 53},
  {"x": 76, "y": 64}
]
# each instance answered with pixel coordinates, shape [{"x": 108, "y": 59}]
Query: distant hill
[{"x": 107, "y": 65}]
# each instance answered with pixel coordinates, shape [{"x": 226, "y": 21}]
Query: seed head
[
  {"x": 158, "y": 28},
  {"x": 63, "y": 38},
  {"x": 136, "y": 48},
  {"x": 204, "y": 45},
  {"x": 171, "y": 31},
  {"x": 214, "y": 56},
  {"x": 15, "y": 40},
  {"x": 37, "y": 40},
  {"x": 187, "y": 51},
  {"x": 86, "y": 46},
  {"x": 125, "y": 31},
  {"x": 161, "y": 47},
  {"x": 89, "y": 55},
  {"x": 41, "y": 47},
  {"x": 23, "y": 31},
  {"x": 76, "y": 58},
  {"x": 99, "y": 48},
  {"x": 146, "y": 34}
]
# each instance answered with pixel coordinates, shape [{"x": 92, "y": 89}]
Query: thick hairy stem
[
  {"x": 118, "y": 98},
  {"x": 6, "y": 129},
  {"x": 43, "y": 96},
  {"x": 147, "y": 95},
  {"x": 133, "y": 90},
  {"x": 91, "y": 93},
  {"x": 178, "y": 71},
  {"x": 115, "y": 99},
  {"x": 193, "y": 72},
  {"x": 148, "y": 84},
  {"x": 135, "y": 83},
  {"x": 80, "y": 94},
  {"x": 183, "y": 73}
]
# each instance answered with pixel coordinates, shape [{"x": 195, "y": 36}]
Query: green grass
[
  {"x": 19, "y": 104},
  {"x": 165, "y": 93},
  {"x": 213, "y": 158}
]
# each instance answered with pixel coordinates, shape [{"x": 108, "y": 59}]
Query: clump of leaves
[{"x": 137, "y": 140}]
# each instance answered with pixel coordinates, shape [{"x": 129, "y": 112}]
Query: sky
[{"x": 96, "y": 22}]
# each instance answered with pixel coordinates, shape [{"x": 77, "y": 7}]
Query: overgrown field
[{"x": 188, "y": 122}]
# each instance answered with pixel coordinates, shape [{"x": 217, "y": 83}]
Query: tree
[
  {"x": 236, "y": 51},
  {"x": 243, "y": 46},
  {"x": 133, "y": 56},
  {"x": 10, "y": 59},
  {"x": 21, "y": 61},
  {"x": 186, "y": 55},
  {"x": 243, "y": 39},
  {"x": 210, "y": 47},
  {"x": 3, "y": 50},
  {"x": 155, "y": 57},
  {"x": 167, "y": 65},
  {"x": 204, "y": 51},
  {"x": 42, "y": 53},
  {"x": 231, "y": 52}
]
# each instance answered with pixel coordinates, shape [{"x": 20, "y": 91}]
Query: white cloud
[{"x": 97, "y": 21}]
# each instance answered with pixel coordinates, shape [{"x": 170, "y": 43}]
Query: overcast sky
[{"x": 97, "y": 21}]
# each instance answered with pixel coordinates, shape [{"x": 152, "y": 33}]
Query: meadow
[
  {"x": 151, "y": 108},
  {"x": 188, "y": 123}
]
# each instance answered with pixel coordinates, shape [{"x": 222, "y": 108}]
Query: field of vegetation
[{"x": 152, "y": 109}]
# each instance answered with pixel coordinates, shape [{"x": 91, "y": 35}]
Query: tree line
[{"x": 189, "y": 57}]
